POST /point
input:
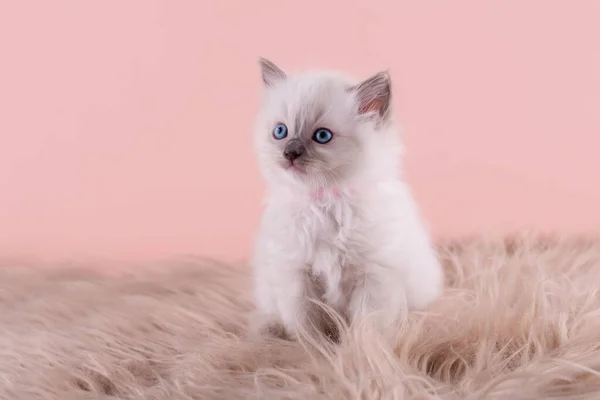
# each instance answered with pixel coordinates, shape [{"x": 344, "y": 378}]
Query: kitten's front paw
[
  {"x": 425, "y": 286},
  {"x": 274, "y": 329},
  {"x": 267, "y": 328}
]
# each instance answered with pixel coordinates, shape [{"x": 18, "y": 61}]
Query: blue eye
[
  {"x": 280, "y": 131},
  {"x": 322, "y": 135}
]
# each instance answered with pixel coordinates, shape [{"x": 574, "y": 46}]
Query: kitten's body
[{"x": 340, "y": 226}]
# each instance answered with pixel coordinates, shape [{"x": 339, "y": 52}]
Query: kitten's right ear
[{"x": 271, "y": 73}]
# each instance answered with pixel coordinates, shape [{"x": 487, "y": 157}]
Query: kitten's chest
[{"x": 324, "y": 230}]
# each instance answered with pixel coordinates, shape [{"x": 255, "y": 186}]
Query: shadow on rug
[{"x": 520, "y": 319}]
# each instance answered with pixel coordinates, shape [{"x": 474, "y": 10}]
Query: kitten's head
[{"x": 321, "y": 129}]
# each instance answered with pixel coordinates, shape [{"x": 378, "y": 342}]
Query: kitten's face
[{"x": 311, "y": 126}]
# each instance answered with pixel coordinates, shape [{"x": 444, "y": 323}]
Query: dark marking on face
[
  {"x": 294, "y": 149},
  {"x": 307, "y": 120}
]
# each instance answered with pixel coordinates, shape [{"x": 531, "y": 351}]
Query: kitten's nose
[{"x": 293, "y": 149}]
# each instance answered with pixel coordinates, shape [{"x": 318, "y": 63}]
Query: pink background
[{"x": 126, "y": 125}]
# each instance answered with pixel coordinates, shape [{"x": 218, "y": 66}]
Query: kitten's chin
[{"x": 288, "y": 174}]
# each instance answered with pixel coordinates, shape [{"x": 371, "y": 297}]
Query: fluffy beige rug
[{"x": 520, "y": 320}]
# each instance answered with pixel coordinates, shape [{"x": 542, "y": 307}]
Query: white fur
[{"x": 367, "y": 247}]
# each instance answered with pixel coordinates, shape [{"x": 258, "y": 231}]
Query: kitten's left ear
[
  {"x": 374, "y": 95},
  {"x": 270, "y": 72}
]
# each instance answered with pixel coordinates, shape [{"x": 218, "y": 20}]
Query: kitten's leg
[
  {"x": 300, "y": 315},
  {"x": 281, "y": 296},
  {"x": 387, "y": 294},
  {"x": 297, "y": 310},
  {"x": 425, "y": 280},
  {"x": 379, "y": 300},
  {"x": 266, "y": 319}
]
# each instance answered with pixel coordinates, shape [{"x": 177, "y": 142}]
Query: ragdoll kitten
[{"x": 340, "y": 225}]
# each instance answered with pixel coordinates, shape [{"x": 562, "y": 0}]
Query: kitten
[{"x": 340, "y": 225}]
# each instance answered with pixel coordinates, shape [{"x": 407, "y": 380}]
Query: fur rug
[{"x": 520, "y": 319}]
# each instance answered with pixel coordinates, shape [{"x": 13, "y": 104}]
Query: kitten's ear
[
  {"x": 374, "y": 95},
  {"x": 271, "y": 73}
]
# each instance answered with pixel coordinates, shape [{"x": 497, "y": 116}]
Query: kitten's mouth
[{"x": 294, "y": 167}]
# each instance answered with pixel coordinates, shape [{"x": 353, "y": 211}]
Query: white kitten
[{"x": 340, "y": 225}]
